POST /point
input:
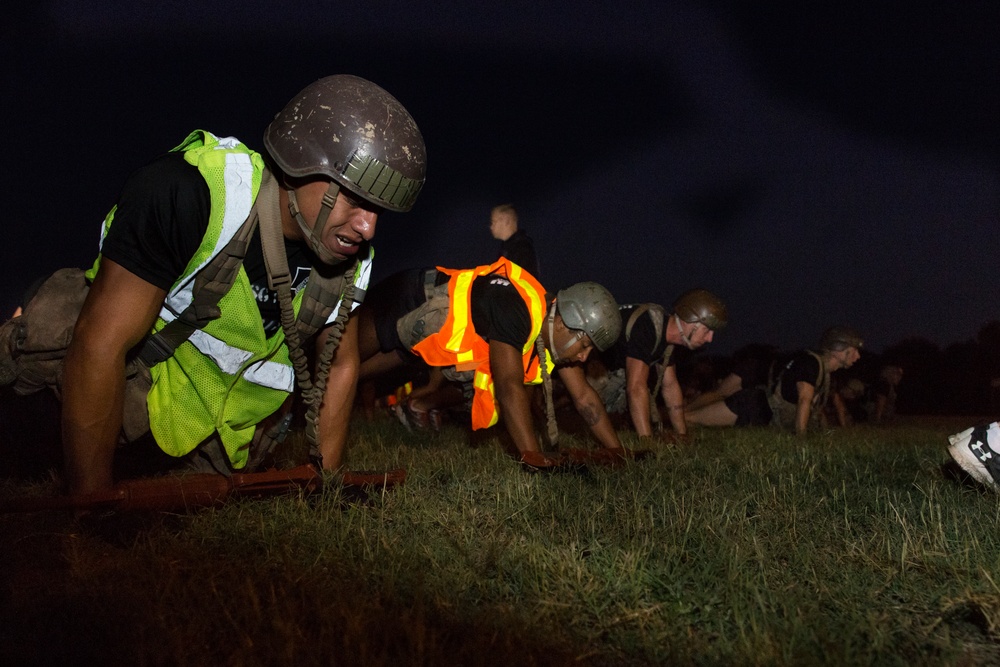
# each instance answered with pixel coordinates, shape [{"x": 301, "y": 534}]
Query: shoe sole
[{"x": 972, "y": 451}]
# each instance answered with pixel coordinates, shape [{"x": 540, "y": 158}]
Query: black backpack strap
[{"x": 639, "y": 310}]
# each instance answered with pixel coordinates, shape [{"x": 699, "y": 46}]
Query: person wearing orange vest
[{"x": 484, "y": 324}]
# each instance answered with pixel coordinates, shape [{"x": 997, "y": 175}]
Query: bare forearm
[
  {"x": 335, "y": 415},
  {"x": 515, "y": 409},
  {"x": 673, "y": 398},
  {"x": 638, "y": 408},
  {"x": 92, "y": 404},
  {"x": 120, "y": 309},
  {"x": 728, "y": 386},
  {"x": 589, "y": 407},
  {"x": 806, "y": 392},
  {"x": 676, "y": 415},
  {"x": 841, "y": 409},
  {"x": 802, "y": 416},
  {"x": 636, "y": 386},
  {"x": 707, "y": 398},
  {"x": 513, "y": 402},
  {"x": 338, "y": 399}
]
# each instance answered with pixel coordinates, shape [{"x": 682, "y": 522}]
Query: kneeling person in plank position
[
  {"x": 647, "y": 343},
  {"x": 494, "y": 325},
  {"x": 217, "y": 267},
  {"x": 795, "y": 401}
]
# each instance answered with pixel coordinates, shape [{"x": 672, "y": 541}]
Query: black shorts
[
  {"x": 750, "y": 407},
  {"x": 394, "y": 297}
]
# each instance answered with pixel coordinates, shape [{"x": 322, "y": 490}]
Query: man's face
[
  {"x": 698, "y": 334},
  {"x": 578, "y": 351},
  {"x": 351, "y": 222},
  {"x": 500, "y": 226},
  {"x": 847, "y": 357}
]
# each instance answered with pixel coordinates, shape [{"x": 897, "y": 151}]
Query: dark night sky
[{"x": 812, "y": 163}]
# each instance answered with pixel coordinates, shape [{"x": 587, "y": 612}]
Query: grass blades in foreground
[{"x": 746, "y": 548}]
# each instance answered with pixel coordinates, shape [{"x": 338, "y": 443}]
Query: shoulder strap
[
  {"x": 550, "y": 412},
  {"x": 278, "y": 276},
  {"x": 667, "y": 353},
  {"x": 819, "y": 360},
  {"x": 322, "y": 294},
  {"x": 211, "y": 283},
  {"x": 636, "y": 312},
  {"x": 822, "y": 380},
  {"x": 657, "y": 316}
]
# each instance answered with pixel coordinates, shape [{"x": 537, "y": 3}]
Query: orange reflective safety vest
[{"x": 457, "y": 343}]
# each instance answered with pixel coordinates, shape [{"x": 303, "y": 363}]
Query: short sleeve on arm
[
  {"x": 803, "y": 368},
  {"x": 161, "y": 218}
]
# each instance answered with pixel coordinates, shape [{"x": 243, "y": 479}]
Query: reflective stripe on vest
[
  {"x": 458, "y": 344},
  {"x": 238, "y": 179}
]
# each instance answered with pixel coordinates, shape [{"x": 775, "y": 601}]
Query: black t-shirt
[
  {"x": 803, "y": 367},
  {"x": 642, "y": 343},
  {"x": 498, "y": 311},
  {"x": 752, "y": 372},
  {"x": 160, "y": 221},
  {"x": 520, "y": 249}
]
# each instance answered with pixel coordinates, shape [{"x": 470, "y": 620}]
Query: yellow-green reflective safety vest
[{"x": 226, "y": 377}]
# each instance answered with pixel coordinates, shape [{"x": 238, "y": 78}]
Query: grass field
[{"x": 748, "y": 547}]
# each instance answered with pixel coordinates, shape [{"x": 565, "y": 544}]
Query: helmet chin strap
[
  {"x": 680, "y": 331},
  {"x": 557, "y": 354},
  {"x": 314, "y": 235}
]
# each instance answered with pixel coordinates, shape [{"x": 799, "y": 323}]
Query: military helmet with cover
[
  {"x": 840, "y": 338},
  {"x": 701, "y": 306},
  {"x": 354, "y": 132},
  {"x": 590, "y": 308}
]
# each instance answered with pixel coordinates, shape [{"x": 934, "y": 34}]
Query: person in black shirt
[
  {"x": 648, "y": 339},
  {"x": 750, "y": 370},
  {"x": 403, "y": 311},
  {"x": 797, "y": 399},
  {"x": 515, "y": 244}
]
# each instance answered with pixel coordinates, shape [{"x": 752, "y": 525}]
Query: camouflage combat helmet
[
  {"x": 590, "y": 308},
  {"x": 840, "y": 338},
  {"x": 701, "y": 306},
  {"x": 351, "y": 130}
]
